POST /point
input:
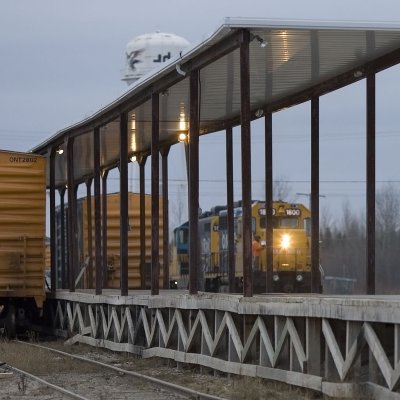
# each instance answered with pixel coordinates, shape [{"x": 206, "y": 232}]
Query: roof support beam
[
  {"x": 97, "y": 210},
  {"x": 64, "y": 277},
  {"x": 89, "y": 231},
  {"x": 245, "y": 118},
  {"x": 53, "y": 269},
  {"x": 268, "y": 201},
  {"x": 370, "y": 205},
  {"x": 164, "y": 154},
  {"x": 142, "y": 206},
  {"x": 155, "y": 195},
  {"x": 104, "y": 227},
  {"x": 230, "y": 208},
  {"x": 315, "y": 272},
  {"x": 123, "y": 207},
  {"x": 194, "y": 183},
  {"x": 72, "y": 221},
  {"x": 314, "y": 196}
]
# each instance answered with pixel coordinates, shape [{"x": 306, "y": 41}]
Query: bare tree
[
  {"x": 179, "y": 208},
  {"x": 281, "y": 189},
  {"x": 388, "y": 209},
  {"x": 387, "y": 239}
]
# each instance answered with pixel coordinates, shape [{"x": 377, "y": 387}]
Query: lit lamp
[{"x": 182, "y": 137}]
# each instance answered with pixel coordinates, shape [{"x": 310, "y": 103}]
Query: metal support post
[
  {"x": 89, "y": 231},
  {"x": 315, "y": 272},
  {"x": 104, "y": 228},
  {"x": 246, "y": 163},
  {"x": 155, "y": 196},
  {"x": 97, "y": 210},
  {"x": 53, "y": 270},
  {"x": 164, "y": 154},
  {"x": 142, "y": 163},
  {"x": 370, "y": 206},
  {"x": 268, "y": 202},
  {"x": 64, "y": 276},
  {"x": 72, "y": 233},
  {"x": 194, "y": 182},
  {"x": 230, "y": 210},
  {"x": 124, "y": 218}
]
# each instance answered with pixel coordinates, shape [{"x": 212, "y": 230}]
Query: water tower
[{"x": 149, "y": 51}]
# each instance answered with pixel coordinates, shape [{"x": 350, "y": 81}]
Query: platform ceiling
[{"x": 290, "y": 61}]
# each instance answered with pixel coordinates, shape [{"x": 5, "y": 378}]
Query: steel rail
[
  {"x": 166, "y": 385},
  {"x": 50, "y": 385}
]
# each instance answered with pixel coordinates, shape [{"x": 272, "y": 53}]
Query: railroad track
[{"x": 84, "y": 384}]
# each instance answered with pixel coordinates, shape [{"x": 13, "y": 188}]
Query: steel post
[
  {"x": 64, "y": 276},
  {"x": 97, "y": 210},
  {"x": 245, "y": 119},
  {"x": 164, "y": 154},
  {"x": 71, "y": 214},
  {"x": 124, "y": 217},
  {"x": 53, "y": 270},
  {"x": 268, "y": 202},
  {"x": 194, "y": 183},
  {"x": 315, "y": 272},
  {"x": 142, "y": 163},
  {"x": 370, "y": 161},
  {"x": 89, "y": 231},
  {"x": 230, "y": 216},
  {"x": 104, "y": 228},
  {"x": 155, "y": 195}
]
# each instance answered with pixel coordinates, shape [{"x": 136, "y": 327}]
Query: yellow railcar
[
  {"x": 22, "y": 236},
  {"x": 113, "y": 241}
]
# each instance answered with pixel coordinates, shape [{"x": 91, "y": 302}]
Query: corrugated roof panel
[
  {"x": 109, "y": 143},
  {"x": 83, "y": 155},
  {"x": 220, "y": 90}
]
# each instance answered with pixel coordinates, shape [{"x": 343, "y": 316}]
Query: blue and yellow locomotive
[{"x": 291, "y": 248}]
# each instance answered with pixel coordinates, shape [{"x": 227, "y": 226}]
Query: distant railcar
[
  {"x": 291, "y": 248},
  {"x": 22, "y": 238},
  {"x": 113, "y": 242}
]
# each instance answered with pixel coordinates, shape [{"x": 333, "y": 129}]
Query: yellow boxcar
[
  {"x": 113, "y": 239},
  {"x": 22, "y": 227}
]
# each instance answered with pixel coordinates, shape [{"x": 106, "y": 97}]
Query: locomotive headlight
[
  {"x": 285, "y": 241},
  {"x": 275, "y": 277}
]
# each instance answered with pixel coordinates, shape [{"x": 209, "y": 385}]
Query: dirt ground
[{"x": 46, "y": 364}]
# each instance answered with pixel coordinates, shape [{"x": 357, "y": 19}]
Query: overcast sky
[{"x": 62, "y": 60}]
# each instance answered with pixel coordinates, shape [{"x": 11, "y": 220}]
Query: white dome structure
[{"x": 148, "y": 51}]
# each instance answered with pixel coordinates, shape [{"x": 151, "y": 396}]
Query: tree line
[{"x": 343, "y": 247}]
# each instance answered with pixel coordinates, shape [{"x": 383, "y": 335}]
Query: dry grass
[
  {"x": 233, "y": 387},
  {"x": 38, "y": 361}
]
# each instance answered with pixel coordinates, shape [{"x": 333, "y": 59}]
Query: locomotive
[{"x": 291, "y": 248}]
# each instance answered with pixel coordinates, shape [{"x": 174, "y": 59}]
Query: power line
[{"x": 184, "y": 181}]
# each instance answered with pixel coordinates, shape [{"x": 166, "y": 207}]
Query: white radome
[{"x": 148, "y": 51}]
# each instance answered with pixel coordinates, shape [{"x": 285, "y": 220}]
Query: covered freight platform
[
  {"x": 344, "y": 346},
  {"x": 247, "y": 69}
]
